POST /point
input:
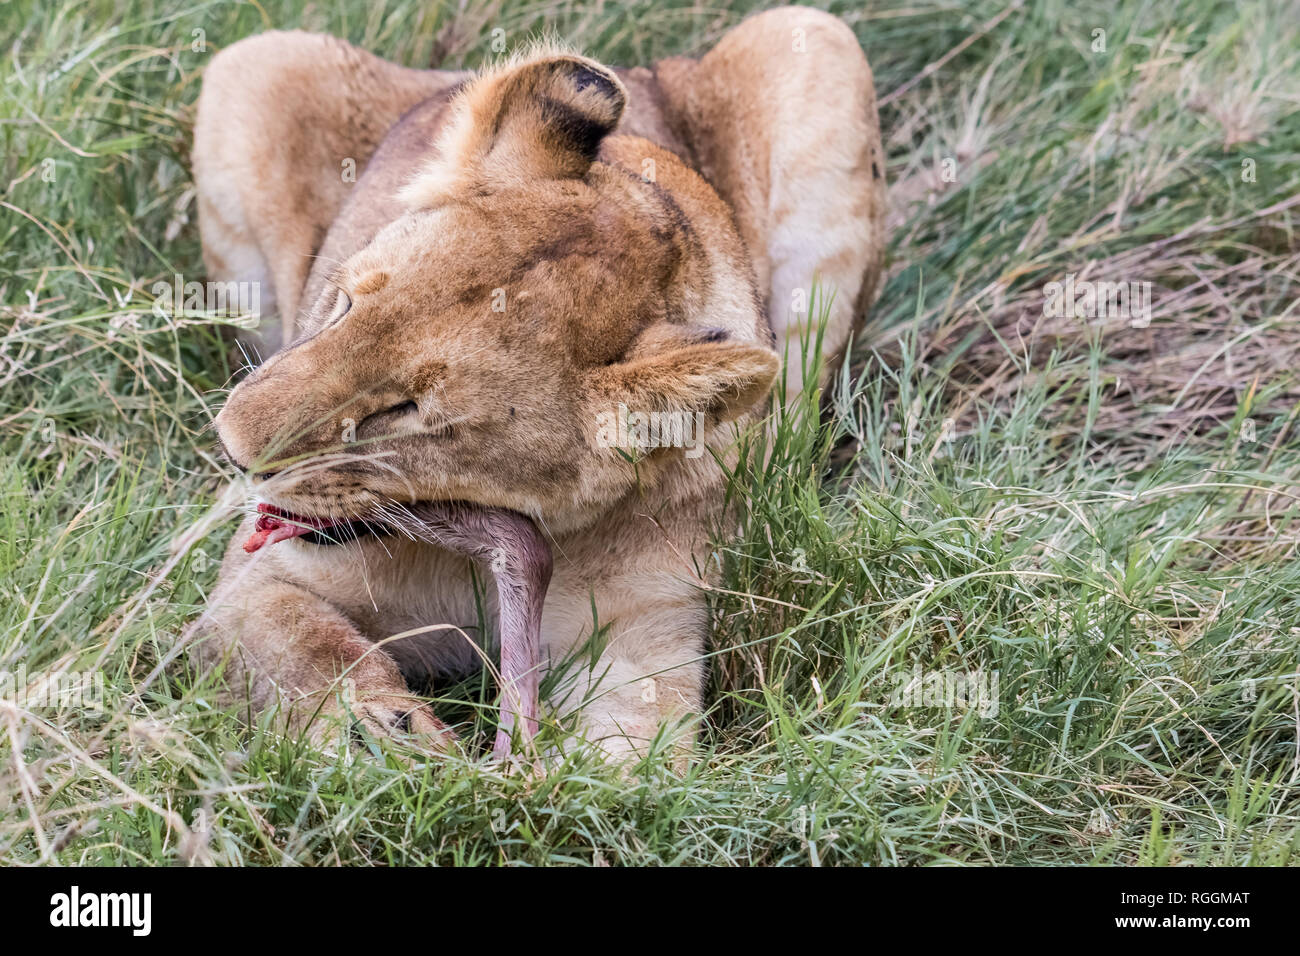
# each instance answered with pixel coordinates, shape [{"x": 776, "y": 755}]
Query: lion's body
[{"x": 647, "y": 236}]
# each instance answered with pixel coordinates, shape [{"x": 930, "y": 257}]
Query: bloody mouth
[
  {"x": 275, "y": 524},
  {"x": 520, "y": 563}
]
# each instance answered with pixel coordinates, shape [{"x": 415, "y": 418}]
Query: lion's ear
[
  {"x": 543, "y": 118},
  {"x": 717, "y": 376}
]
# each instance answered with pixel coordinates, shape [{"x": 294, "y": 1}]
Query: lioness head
[{"x": 543, "y": 277}]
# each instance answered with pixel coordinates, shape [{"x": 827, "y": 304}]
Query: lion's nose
[
  {"x": 260, "y": 475},
  {"x": 236, "y": 452},
  {"x": 224, "y": 450}
]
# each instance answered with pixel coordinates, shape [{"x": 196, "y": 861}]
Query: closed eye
[
  {"x": 342, "y": 306},
  {"x": 377, "y": 424}
]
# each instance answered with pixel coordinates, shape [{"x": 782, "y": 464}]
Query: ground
[{"x": 1084, "y": 524}]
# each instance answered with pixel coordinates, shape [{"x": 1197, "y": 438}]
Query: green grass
[{"x": 1095, "y": 524}]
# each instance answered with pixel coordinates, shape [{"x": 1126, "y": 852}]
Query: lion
[{"x": 536, "y": 273}]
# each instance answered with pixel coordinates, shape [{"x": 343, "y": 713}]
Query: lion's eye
[{"x": 342, "y": 306}]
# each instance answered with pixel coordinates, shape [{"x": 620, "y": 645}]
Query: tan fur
[{"x": 517, "y": 260}]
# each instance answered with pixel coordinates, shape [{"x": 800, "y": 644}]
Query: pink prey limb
[{"x": 519, "y": 559}]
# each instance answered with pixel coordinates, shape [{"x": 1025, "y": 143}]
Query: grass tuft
[{"x": 1087, "y": 526}]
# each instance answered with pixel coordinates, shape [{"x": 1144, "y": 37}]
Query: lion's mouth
[
  {"x": 275, "y": 525},
  {"x": 506, "y": 543}
]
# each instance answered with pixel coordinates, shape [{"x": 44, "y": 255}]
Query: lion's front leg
[
  {"x": 630, "y": 700},
  {"x": 647, "y": 679},
  {"x": 296, "y": 654}
]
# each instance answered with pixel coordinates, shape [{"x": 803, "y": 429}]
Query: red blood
[{"x": 275, "y": 525}]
